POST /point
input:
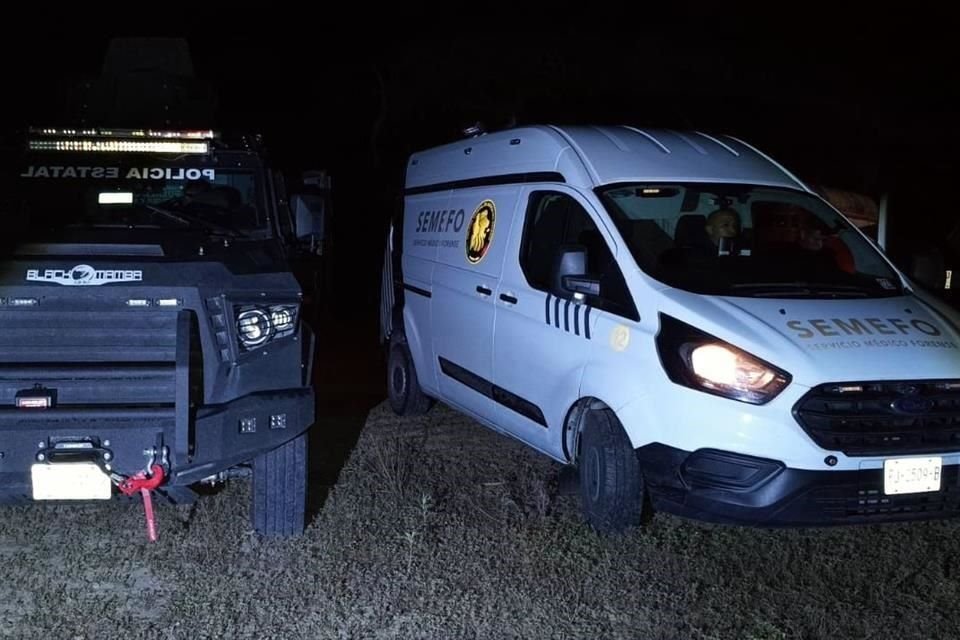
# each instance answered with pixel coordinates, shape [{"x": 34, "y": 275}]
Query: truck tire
[
  {"x": 611, "y": 483},
  {"x": 278, "y": 501},
  {"x": 403, "y": 387}
]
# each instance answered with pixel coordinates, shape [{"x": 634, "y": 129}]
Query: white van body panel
[
  {"x": 417, "y": 265},
  {"x": 820, "y": 341},
  {"x": 590, "y": 156},
  {"x": 623, "y": 154},
  {"x": 690, "y": 420},
  {"x": 416, "y": 324},
  {"x": 537, "y": 151},
  {"x": 623, "y": 363},
  {"x": 693, "y": 420},
  {"x": 462, "y": 305},
  {"x": 539, "y": 337}
]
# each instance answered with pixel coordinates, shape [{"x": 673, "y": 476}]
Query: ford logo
[{"x": 912, "y": 405}]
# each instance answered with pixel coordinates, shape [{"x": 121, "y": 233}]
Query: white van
[{"x": 679, "y": 317}]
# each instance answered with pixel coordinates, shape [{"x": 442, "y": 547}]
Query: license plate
[
  {"x": 69, "y": 481},
  {"x": 912, "y": 475}
]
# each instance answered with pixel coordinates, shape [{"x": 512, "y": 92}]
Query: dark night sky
[
  {"x": 825, "y": 93},
  {"x": 863, "y": 103}
]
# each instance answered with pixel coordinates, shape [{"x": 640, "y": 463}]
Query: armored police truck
[
  {"x": 681, "y": 319},
  {"x": 152, "y": 327}
]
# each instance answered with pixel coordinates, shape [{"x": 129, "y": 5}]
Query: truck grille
[
  {"x": 880, "y": 418},
  {"x": 43, "y": 336},
  {"x": 90, "y": 359}
]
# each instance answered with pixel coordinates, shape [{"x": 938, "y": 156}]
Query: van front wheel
[
  {"x": 611, "y": 484},
  {"x": 403, "y": 388}
]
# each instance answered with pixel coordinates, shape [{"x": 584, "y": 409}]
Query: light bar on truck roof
[
  {"x": 121, "y": 140},
  {"x": 119, "y": 146},
  {"x": 191, "y": 134}
]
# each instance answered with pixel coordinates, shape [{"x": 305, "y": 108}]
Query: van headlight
[
  {"x": 696, "y": 359},
  {"x": 259, "y": 324}
]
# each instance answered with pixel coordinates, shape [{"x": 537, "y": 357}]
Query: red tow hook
[{"x": 144, "y": 484}]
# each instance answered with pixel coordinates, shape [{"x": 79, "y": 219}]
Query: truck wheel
[
  {"x": 279, "y": 489},
  {"x": 611, "y": 484},
  {"x": 403, "y": 388}
]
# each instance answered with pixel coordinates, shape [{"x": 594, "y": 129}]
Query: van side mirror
[
  {"x": 570, "y": 273},
  {"x": 581, "y": 284}
]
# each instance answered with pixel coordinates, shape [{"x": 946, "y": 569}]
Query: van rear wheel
[
  {"x": 403, "y": 387},
  {"x": 611, "y": 483}
]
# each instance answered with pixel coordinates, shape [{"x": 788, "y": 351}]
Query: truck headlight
[
  {"x": 254, "y": 328},
  {"x": 259, "y": 324},
  {"x": 695, "y": 359}
]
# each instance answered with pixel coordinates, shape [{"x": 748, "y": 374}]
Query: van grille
[
  {"x": 880, "y": 418},
  {"x": 865, "y": 500}
]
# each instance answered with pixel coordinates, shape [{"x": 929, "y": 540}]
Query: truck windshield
[
  {"x": 743, "y": 240},
  {"x": 51, "y": 192}
]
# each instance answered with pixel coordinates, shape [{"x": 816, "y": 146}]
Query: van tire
[
  {"x": 611, "y": 483},
  {"x": 279, "y": 501},
  {"x": 403, "y": 386}
]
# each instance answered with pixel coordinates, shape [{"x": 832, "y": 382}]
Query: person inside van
[
  {"x": 789, "y": 229},
  {"x": 723, "y": 223},
  {"x": 698, "y": 237},
  {"x": 703, "y": 234}
]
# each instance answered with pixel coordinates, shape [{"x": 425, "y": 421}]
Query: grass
[{"x": 438, "y": 528}]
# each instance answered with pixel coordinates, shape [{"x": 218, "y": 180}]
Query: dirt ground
[{"x": 437, "y": 528}]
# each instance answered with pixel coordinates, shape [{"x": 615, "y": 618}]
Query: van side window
[{"x": 555, "y": 219}]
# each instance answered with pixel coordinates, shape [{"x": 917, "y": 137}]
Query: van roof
[{"x": 591, "y": 156}]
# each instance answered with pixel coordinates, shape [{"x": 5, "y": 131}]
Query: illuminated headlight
[
  {"x": 257, "y": 325},
  {"x": 700, "y": 361},
  {"x": 732, "y": 372},
  {"x": 254, "y": 328},
  {"x": 281, "y": 318}
]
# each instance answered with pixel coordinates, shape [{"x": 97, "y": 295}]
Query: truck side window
[{"x": 555, "y": 219}]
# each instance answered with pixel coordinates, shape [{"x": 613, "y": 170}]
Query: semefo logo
[{"x": 480, "y": 231}]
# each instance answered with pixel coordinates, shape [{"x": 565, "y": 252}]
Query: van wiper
[
  {"x": 195, "y": 221},
  {"x": 803, "y": 289}
]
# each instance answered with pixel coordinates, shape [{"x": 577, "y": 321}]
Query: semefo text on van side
[{"x": 440, "y": 221}]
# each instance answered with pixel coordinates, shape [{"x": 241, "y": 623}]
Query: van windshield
[{"x": 743, "y": 240}]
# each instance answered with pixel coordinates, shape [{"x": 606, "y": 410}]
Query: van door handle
[
  {"x": 508, "y": 298},
  {"x": 484, "y": 291}
]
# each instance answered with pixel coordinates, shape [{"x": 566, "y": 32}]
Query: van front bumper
[{"x": 729, "y": 488}]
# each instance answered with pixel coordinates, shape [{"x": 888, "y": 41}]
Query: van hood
[{"x": 817, "y": 341}]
